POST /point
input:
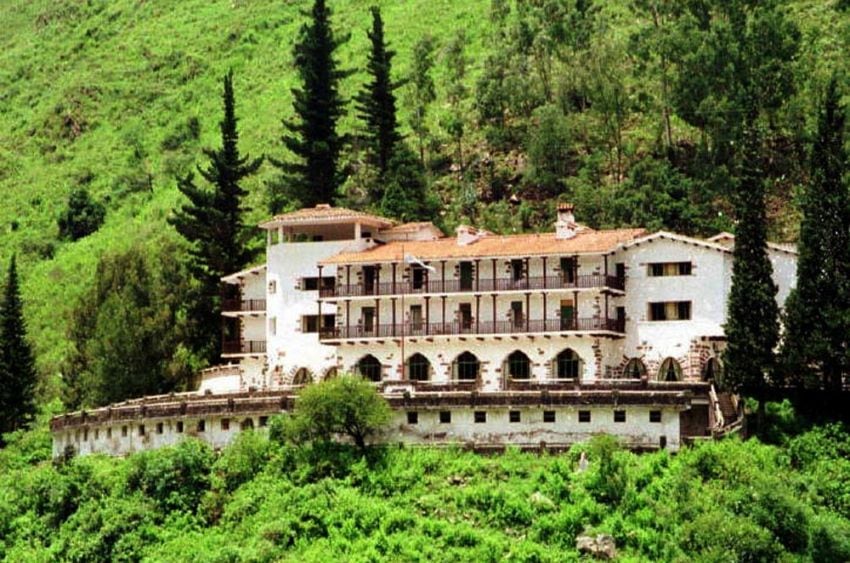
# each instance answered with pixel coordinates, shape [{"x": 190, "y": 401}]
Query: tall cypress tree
[
  {"x": 312, "y": 137},
  {"x": 17, "y": 365},
  {"x": 752, "y": 327},
  {"x": 212, "y": 222},
  {"x": 376, "y": 102},
  {"x": 817, "y": 330}
]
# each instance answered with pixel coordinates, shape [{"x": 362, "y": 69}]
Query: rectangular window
[
  {"x": 264, "y": 421},
  {"x": 517, "y": 269},
  {"x": 313, "y": 283},
  {"x": 160, "y": 428},
  {"x": 568, "y": 270},
  {"x": 445, "y": 417},
  {"x": 225, "y": 424},
  {"x": 368, "y": 318},
  {"x": 413, "y": 417},
  {"x": 465, "y": 316},
  {"x": 670, "y": 311},
  {"x": 123, "y": 431},
  {"x": 548, "y": 416},
  {"x": 141, "y": 430},
  {"x": 514, "y": 416},
  {"x": 86, "y": 434},
  {"x": 96, "y": 434},
  {"x": 179, "y": 426},
  {"x": 663, "y": 269},
  {"x": 655, "y": 416},
  {"x": 516, "y": 313},
  {"x": 272, "y": 287},
  {"x": 109, "y": 433},
  {"x": 584, "y": 416},
  {"x": 416, "y": 317},
  {"x": 466, "y": 276},
  {"x": 202, "y": 426},
  {"x": 310, "y": 323},
  {"x": 480, "y": 417},
  {"x": 417, "y": 274},
  {"x": 619, "y": 416},
  {"x": 273, "y": 326}
]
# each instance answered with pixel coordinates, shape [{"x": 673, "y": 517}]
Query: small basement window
[
  {"x": 480, "y": 417},
  {"x": 619, "y": 416},
  {"x": 584, "y": 416},
  {"x": 548, "y": 416},
  {"x": 514, "y": 416},
  {"x": 445, "y": 417},
  {"x": 654, "y": 416},
  {"x": 225, "y": 424},
  {"x": 413, "y": 417}
]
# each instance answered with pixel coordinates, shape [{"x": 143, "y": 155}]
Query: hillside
[{"x": 119, "y": 97}]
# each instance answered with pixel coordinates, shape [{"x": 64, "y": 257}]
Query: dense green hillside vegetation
[
  {"x": 263, "y": 500},
  {"x": 629, "y": 108}
]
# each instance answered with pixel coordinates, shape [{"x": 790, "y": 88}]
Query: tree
[
  {"x": 82, "y": 217},
  {"x": 422, "y": 92},
  {"x": 454, "y": 58},
  {"x": 405, "y": 196},
  {"x": 314, "y": 177},
  {"x": 376, "y": 102},
  {"x": 128, "y": 333},
  {"x": 347, "y": 405},
  {"x": 548, "y": 148},
  {"x": 17, "y": 365},
  {"x": 817, "y": 324},
  {"x": 212, "y": 222},
  {"x": 752, "y": 326}
]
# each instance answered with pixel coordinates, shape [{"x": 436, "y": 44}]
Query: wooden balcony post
[
  {"x": 494, "y": 311},
  {"x": 544, "y": 276},
  {"x": 427, "y": 314},
  {"x": 527, "y": 311},
  {"x": 478, "y": 314},
  {"x": 575, "y": 270},
  {"x": 444, "y": 307},
  {"x": 575, "y": 310},
  {"x": 545, "y": 318},
  {"x": 494, "y": 275},
  {"x": 347, "y": 318},
  {"x": 527, "y": 273},
  {"x": 443, "y": 276},
  {"x": 394, "y": 271},
  {"x": 377, "y": 316},
  {"x": 348, "y": 277},
  {"x": 393, "y": 299},
  {"x": 477, "y": 274}
]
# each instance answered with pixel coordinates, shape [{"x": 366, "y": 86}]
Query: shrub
[
  {"x": 82, "y": 217},
  {"x": 175, "y": 478}
]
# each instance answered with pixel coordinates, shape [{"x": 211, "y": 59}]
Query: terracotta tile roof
[
  {"x": 587, "y": 241},
  {"x": 322, "y": 214},
  {"x": 410, "y": 227}
]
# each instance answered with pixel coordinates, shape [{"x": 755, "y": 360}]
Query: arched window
[
  {"x": 418, "y": 368},
  {"x": 302, "y": 377},
  {"x": 331, "y": 373},
  {"x": 517, "y": 366},
  {"x": 670, "y": 370},
  {"x": 634, "y": 369},
  {"x": 567, "y": 365},
  {"x": 247, "y": 424},
  {"x": 466, "y": 367},
  {"x": 368, "y": 368},
  {"x": 713, "y": 370}
]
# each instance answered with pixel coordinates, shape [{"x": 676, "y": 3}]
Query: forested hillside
[{"x": 627, "y": 107}]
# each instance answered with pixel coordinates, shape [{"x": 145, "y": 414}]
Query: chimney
[
  {"x": 467, "y": 235},
  {"x": 565, "y": 226}
]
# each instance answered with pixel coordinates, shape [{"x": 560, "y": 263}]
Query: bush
[{"x": 175, "y": 478}]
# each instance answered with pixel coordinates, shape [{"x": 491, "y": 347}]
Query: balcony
[
  {"x": 455, "y": 328},
  {"x": 483, "y": 285},
  {"x": 243, "y": 306},
  {"x": 243, "y": 347}
]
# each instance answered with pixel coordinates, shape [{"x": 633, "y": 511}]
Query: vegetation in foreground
[{"x": 264, "y": 499}]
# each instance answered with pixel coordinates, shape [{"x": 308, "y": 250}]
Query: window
[
  {"x": 272, "y": 287},
  {"x": 160, "y": 428},
  {"x": 225, "y": 424},
  {"x": 418, "y": 368},
  {"x": 516, "y": 314},
  {"x": 96, "y": 434},
  {"x": 663, "y": 269},
  {"x": 264, "y": 421},
  {"x": 310, "y": 323},
  {"x": 123, "y": 431},
  {"x": 313, "y": 283},
  {"x": 548, "y": 416},
  {"x": 413, "y": 417},
  {"x": 480, "y": 417},
  {"x": 141, "y": 430},
  {"x": 568, "y": 270},
  {"x": 466, "y": 276},
  {"x": 567, "y": 365},
  {"x": 202, "y": 426},
  {"x": 415, "y": 317},
  {"x": 655, "y": 416},
  {"x": 620, "y": 270},
  {"x": 369, "y": 368},
  {"x": 584, "y": 416},
  {"x": 466, "y": 367},
  {"x": 514, "y": 416},
  {"x": 517, "y": 269},
  {"x": 86, "y": 435},
  {"x": 518, "y": 366},
  {"x": 445, "y": 417},
  {"x": 179, "y": 426},
  {"x": 670, "y": 311},
  {"x": 634, "y": 369},
  {"x": 109, "y": 433},
  {"x": 465, "y": 313},
  {"x": 367, "y": 319},
  {"x": 417, "y": 276},
  {"x": 619, "y": 416},
  {"x": 670, "y": 370},
  {"x": 273, "y": 326}
]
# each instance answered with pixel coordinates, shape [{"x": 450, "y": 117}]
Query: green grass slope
[{"x": 105, "y": 95}]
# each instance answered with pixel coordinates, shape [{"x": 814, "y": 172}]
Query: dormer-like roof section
[
  {"x": 324, "y": 214},
  {"x": 586, "y": 241}
]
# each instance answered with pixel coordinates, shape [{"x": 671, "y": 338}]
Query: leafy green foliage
[{"x": 82, "y": 217}]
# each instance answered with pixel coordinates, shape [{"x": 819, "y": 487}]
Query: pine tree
[
  {"x": 376, "y": 102},
  {"x": 752, "y": 327},
  {"x": 454, "y": 58},
  {"x": 17, "y": 365},
  {"x": 312, "y": 137},
  {"x": 212, "y": 222},
  {"x": 422, "y": 91},
  {"x": 817, "y": 330},
  {"x": 405, "y": 196}
]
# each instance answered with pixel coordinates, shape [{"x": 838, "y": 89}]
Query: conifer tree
[
  {"x": 752, "y": 327},
  {"x": 376, "y": 102},
  {"x": 17, "y": 365},
  {"x": 817, "y": 329},
  {"x": 212, "y": 221},
  {"x": 311, "y": 137},
  {"x": 422, "y": 91},
  {"x": 405, "y": 196}
]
